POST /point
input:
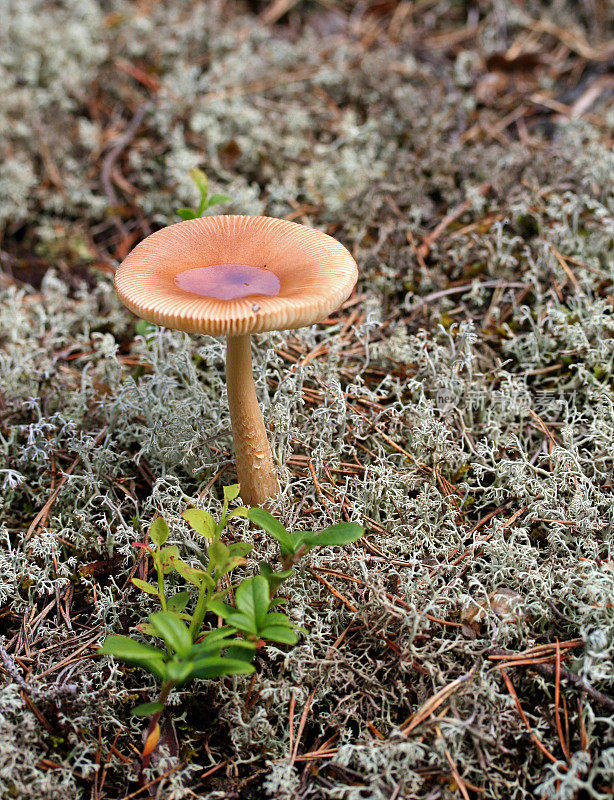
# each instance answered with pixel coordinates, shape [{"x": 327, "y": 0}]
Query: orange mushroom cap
[{"x": 301, "y": 275}]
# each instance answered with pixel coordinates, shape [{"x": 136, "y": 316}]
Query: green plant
[
  {"x": 202, "y": 184},
  {"x": 296, "y": 545},
  {"x": 191, "y": 647}
]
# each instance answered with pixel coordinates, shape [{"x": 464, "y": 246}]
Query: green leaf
[
  {"x": 241, "y": 511},
  {"x": 216, "y": 666},
  {"x": 144, "y": 328},
  {"x": 277, "y": 618},
  {"x": 201, "y": 521},
  {"x": 252, "y": 598},
  {"x": 158, "y": 531},
  {"x": 218, "y": 553},
  {"x": 178, "y": 601},
  {"x": 267, "y": 522},
  {"x": 146, "y": 628},
  {"x": 240, "y": 549},
  {"x": 214, "y": 640},
  {"x": 231, "y": 492},
  {"x": 242, "y": 650},
  {"x": 168, "y": 555},
  {"x": 144, "y": 586},
  {"x": 279, "y": 633},
  {"x": 147, "y": 709},
  {"x": 275, "y": 579},
  {"x": 219, "y": 608},
  {"x": 186, "y": 213},
  {"x": 223, "y": 557},
  {"x": 232, "y": 563},
  {"x": 128, "y": 649},
  {"x": 179, "y": 671},
  {"x": 157, "y": 668},
  {"x": 242, "y": 622},
  {"x": 200, "y": 179},
  {"x": 216, "y": 199},
  {"x": 266, "y": 569},
  {"x": 172, "y": 630},
  {"x": 190, "y": 574},
  {"x": 133, "y": 652},
  {"x": 206, "y": 649},
  {"x": 339, "y": 534}
]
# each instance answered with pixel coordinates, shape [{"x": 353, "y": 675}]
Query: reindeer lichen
[{"x": 461, "y": 409}]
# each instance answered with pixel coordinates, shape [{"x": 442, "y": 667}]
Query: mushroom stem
[{"x": 255, "y": 469}]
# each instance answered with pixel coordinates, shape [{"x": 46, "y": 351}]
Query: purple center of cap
[{"x": 228, "y": 281}]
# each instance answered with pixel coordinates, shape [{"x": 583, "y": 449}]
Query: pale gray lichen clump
[{"x": 370, "y": 142}]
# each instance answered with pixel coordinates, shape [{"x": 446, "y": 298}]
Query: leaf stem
[
  {"x": 201, "y": 609},
  {"x": 160, "y": 573},
  {"x": 165, "y": 690},
  {"x": 288, "y": 560}
]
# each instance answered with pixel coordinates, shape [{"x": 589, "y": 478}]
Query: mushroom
[{"x": 233, "y": 276}]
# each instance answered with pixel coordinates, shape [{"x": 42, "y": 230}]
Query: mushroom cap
[{"x": 316, "y": 274}]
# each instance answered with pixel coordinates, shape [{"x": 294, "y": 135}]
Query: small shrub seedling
[
  {"x": 193, "y": 648},
  {"x": 206, "y": 202}
]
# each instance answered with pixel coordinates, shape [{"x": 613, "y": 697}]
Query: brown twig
[
  {"x": 318, "y": 488},
  {"x": 291, "y": 724},
  {"x": 114, "y": 153},
  {"x": 275, "y": 11},
  {"x": 301, "y": 725},
  {"x": 433, "y": 703},
  {"x": 566, "y": 268},
  {"x": 332, "y": 590},
  {"x": 548, "y": 671},
  {"x": 538, "y": 742},
  {"x": 455, "y": 773},
  {"x": 141, "y": 789},
  {"x": 557, "y": 694}
]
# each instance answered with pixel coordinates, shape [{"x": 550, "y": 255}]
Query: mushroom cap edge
[{"x": 317, "y": 274}]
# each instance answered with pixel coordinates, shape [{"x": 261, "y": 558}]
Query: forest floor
[{"x": 460, "y": 405}]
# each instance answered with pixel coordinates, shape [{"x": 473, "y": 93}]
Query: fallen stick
[{"x": 549, "y": 671}]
